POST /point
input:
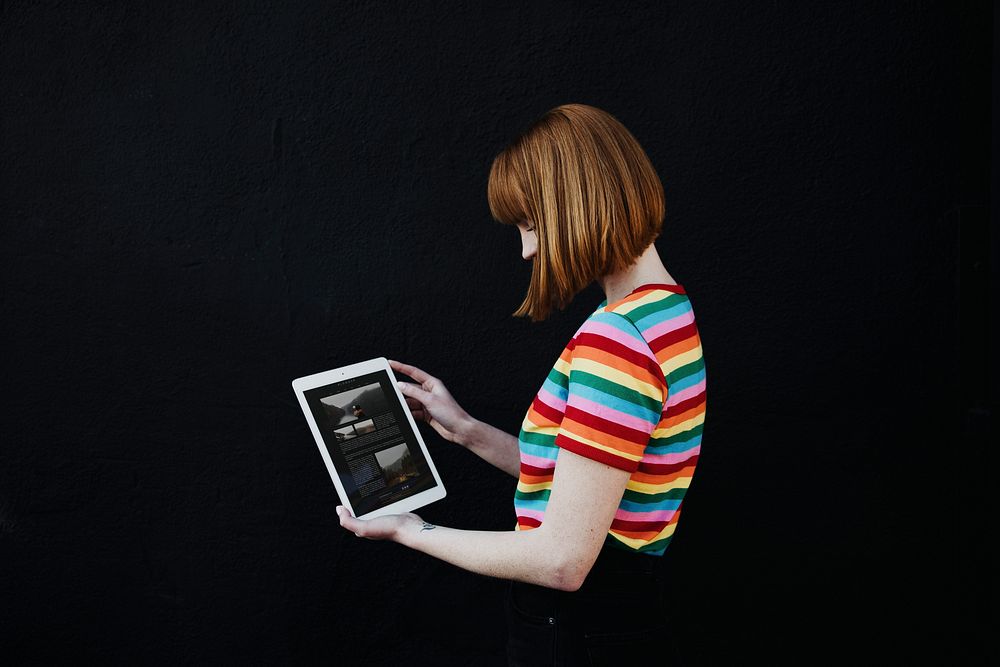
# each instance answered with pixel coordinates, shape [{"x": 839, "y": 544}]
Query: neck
[{"x": 647, "y": 268}]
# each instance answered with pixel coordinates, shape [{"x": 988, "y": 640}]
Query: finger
[
  {"x": 414, "y": 372},
  {"x": 414, "y": 406},
  {"x": 413, "y": 391}
]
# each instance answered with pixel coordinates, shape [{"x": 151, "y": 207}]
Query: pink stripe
[
  {"x": 537, "y": 461},
  {"x": 659, "y": 515},
  {"x": 612, "y": 415},
  {"x": 551, "y": 400},
  {"x": 617, "y": 335},
  {"x": 529, "y": 514},
  {"x": 674, "y": 457},
  {"x": 667, "y": 326},
  {"x": 693, "y": 390}
]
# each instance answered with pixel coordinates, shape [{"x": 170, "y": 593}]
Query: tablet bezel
[{"x": 305, "y": 383}]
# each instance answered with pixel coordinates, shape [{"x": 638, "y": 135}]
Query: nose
[{"x": 529, "y": 244}]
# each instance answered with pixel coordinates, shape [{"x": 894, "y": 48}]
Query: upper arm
[
  {"x": 614, "y": 399},
  {"x": 582, "y": 504}
]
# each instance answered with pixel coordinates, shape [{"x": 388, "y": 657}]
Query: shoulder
[
  {"x": 640, "y": 316},
  {"x": 609, "y": 345},
  {"x": 610, "y": 331}
]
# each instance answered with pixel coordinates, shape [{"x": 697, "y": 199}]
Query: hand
[
  {"x": 379, "y": 528},
  {"x": 431, "y": 402}
]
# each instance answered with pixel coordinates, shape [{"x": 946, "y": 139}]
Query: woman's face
[{"x": 529, "y": 241}]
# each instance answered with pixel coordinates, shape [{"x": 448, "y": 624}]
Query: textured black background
[{"x": 201, "y": 203}]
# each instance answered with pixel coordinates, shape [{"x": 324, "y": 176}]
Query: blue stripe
[
  {"x": 538, "y": 450},
  {"x": 659, "y": 316},
  {"x": 675, "y": 447},
  {"x": 620, "y": 404},
  {"x": 689, "y": 381},
  {"x": 630, "y": 506},
  {"x": 530, "y": 504},
  {"x": 618, "y": 321},
  {"x": 554, "y": 389}
]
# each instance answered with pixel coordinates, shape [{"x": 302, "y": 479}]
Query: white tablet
[{"x": 368, "y": 439}]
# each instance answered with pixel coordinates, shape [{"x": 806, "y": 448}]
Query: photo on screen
[
  {"x": 397, "y": 464},
  {"x": 355, "y": 404}
]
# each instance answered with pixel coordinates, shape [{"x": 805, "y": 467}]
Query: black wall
[{"x": 200, "y": 204}]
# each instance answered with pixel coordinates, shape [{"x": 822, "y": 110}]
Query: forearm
[
  {"x": 492, "y": 445},
  {"x": 520, "y": 555}
]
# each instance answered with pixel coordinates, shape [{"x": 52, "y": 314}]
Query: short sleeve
[{"x": 614, "y": 394}]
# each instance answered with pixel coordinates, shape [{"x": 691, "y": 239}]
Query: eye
[{"x": 529, "y": 229}]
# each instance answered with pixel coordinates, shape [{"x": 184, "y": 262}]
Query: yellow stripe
[
  {"x": 528, "y": 488},
  {"x": 679, "y": 427},
  {"x": 635, "y": 542},
  {"x": 627, "y": 308},
  {"x": 531, "y": 427},
  {"x": 678, "y": 360},
  {"x": 679, "y": 483},
  {"x": 610, "y": 450},
  {"x": 561, "y": 365}
]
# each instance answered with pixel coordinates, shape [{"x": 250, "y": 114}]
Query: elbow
[
  {"x": 568, "y": 575},
  {"x": 567, "y": 562}
]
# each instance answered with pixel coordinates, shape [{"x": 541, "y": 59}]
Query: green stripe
[
  {"x": 557, "y": 377},
  {"x": 540, "y": 439},
  {"x": 615, "y": 389},
  {"x": 686, "y": 370},
  {"x": 533, "y": 495},
  {"x": 677, "y": 437},
  {"x": 651, "y": 498},
  {"x": 655, "y": 306}
]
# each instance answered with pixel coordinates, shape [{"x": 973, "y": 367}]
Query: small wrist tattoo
[{"x": 428, "y": 526}]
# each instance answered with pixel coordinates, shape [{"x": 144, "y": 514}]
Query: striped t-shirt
[{"x": 629, "y": 391}]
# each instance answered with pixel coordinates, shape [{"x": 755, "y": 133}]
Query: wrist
[
  {"x": 409, "y": 529},
  {"x": 402, "y": 531},
  {"x": 465, "y": 434}
]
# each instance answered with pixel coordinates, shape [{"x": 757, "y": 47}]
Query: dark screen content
[{"x": 366, "y": 432}]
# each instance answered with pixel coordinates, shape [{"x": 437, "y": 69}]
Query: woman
[{"x": 609, "y": 444}]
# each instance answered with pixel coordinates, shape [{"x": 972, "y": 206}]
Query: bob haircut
[{"x": 591, "y": 192}]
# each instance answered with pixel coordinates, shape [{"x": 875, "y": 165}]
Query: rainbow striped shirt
[{"x": 629, "y": 391}]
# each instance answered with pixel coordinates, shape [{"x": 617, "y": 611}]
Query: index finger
[{"x": 412, "y": 371}]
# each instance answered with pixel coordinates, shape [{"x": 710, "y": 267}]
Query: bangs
[{"x": 505, "y": 191}]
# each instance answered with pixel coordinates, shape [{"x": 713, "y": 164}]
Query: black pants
[{"x": 619, "y": 616}]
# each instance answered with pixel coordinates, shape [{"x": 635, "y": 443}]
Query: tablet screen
[{"x": 369, "y": 439}]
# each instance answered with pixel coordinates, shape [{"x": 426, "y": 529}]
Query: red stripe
[
  {"x": 670, "y": 287},
  {"x": 535, "y": 471},
  {"x": 608, "y": 426},
  {"x": 667, "y": 468},
  {"x": 546, "y": 410},
  {"x": 687, "y": 403},
  {"x": 638, "y": 526},
  {"x": 671, "y": 337},
  {"x": 596, "y": 454},
  {"x": 528, "y": 521}
]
